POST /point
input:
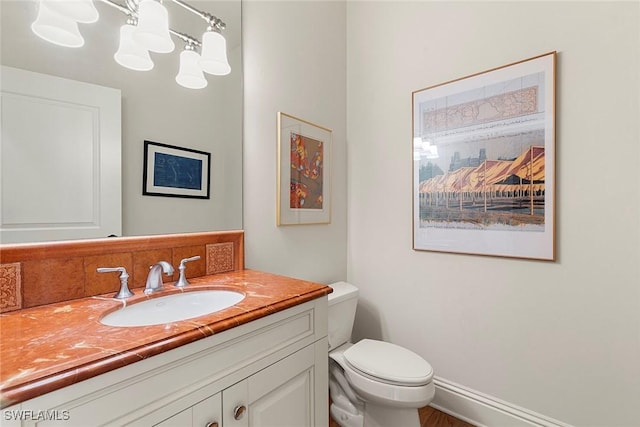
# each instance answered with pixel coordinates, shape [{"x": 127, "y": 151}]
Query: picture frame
[
  {"x": 171, "y": 171},
  {"x": 303, "y": 172},
  {"x": 484, "y": 162}
]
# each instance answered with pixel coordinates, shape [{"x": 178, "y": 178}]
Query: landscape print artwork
[{"x": 483, "y": 162}]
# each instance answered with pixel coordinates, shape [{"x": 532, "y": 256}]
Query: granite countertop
[{"x": 45, "y": 348}]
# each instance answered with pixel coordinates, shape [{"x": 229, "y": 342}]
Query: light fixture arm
[
  {"x": 186, "y": 38},
  {"x": 124, "y": 9},
  {"x": 212, "y": 20},
  {"x": 131, "y": 9}
]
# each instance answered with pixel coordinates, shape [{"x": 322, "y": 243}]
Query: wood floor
[{"x": 429, "y": 417}]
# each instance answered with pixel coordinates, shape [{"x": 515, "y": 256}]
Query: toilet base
[
  {"x": 345, "y": 418},
  {"x": 385, "y": 416},
  {"x": 376, "y": 416}
]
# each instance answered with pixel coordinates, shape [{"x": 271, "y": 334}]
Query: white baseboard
[{"x": 485, "y": 411}]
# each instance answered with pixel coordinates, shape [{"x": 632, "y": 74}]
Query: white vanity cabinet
[
  {"x": 268, "y": 372},
  {"x": 207, "y": 413},
  {"x": 280, "y": 395}
]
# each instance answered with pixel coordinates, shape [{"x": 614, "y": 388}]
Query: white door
[
  {"x": 60, "y": 158},
  {"x": 281, "y": 395}
]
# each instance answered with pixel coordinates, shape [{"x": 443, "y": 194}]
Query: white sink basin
[{"x": 172, "y": 308}]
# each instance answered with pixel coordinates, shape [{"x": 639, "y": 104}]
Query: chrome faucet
[
  {"x": 182, "y": 280},
  {"x": 154, "y": 279},
  {"x": 124, "y": 276}
]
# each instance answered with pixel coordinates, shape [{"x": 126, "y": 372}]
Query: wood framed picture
[
  {"x": 484, "y": 162},
  {"x": 304, "y": 172}
]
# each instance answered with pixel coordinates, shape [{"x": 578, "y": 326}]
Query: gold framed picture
[
  {"x": 304, "y": 172},
  {"x": 484, "y": 162}
]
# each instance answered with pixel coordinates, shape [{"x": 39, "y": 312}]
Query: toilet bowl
[{"x": 372, "y": 383}]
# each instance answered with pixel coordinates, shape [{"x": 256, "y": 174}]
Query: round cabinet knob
[
  {"x": 238, "y": 413},
  {"x": 212, "y": 424}
]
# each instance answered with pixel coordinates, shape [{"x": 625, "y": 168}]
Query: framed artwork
[
  {"x": 172, "y": 171},
  {"x": 484, "y": 162},
  {"x": 304, "y": 172}
]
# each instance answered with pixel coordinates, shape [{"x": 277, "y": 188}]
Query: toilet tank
[{"x": 342, "y": 311}]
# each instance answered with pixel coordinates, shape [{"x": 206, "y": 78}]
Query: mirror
[{"x": 154, "y": 108}]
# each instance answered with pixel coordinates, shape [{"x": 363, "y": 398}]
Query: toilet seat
[{"x": 388, "y": 363}]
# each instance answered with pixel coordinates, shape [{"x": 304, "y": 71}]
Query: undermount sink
[{"x": 173, "y": 308}]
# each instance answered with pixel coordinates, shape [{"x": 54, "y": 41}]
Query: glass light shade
[
  {"x": 83, "y": 11},
  {"x": 152, "y": 31},
  {"x": 214, "y": 54},
  {"x": 130, "y": 54},
  {"x": 190, "y": 74},
  {"x": 56, "y": 29}
]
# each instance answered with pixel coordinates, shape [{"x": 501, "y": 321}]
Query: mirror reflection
[{"x": 154, "y": 107}]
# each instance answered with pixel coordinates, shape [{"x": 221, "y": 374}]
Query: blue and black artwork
[{"x": 177, "y": 172}]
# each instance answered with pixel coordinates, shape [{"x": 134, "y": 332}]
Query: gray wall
[
  {"x": 561, "y": 339},
  {"x": 558, "y": 339},
  {"x": 154, "y": 107},
  {"x": 294, "y": 62}
]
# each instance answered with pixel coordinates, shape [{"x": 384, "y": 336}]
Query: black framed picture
[{"x": 172, "y": 171}]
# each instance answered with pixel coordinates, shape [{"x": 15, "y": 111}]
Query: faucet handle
[
  {"x": 124, "y": 291},
  {"x": 193, "y": 258},
  {"x": 182, "y": 280}
]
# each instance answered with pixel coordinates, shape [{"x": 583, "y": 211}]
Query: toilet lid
[{"x": 389, "y": 362}]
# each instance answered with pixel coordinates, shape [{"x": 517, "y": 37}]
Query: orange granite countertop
[{"x": 45, "y": 348}]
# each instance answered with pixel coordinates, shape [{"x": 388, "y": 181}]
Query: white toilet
[{"x": 372, "y": 383}]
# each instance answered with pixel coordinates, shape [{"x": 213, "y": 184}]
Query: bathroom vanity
[
  {"x": 276, "y": 366},
  {"x": 262, "y": 361}
]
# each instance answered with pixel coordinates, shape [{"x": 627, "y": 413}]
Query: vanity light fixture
[
  {"x": 130, "y": 53},
  {"x": 56, "y": 28},
  {"x": 83, "y": 11},
  {"x": 152, "y": 31},
  {"x": 190, "y": 74},
  {"x": 146, "y": 30},
  {"x": 214, "y": 53},
  {"x": 424, "y": 149}
]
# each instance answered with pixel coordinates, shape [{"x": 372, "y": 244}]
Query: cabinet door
[
  {"x": 181, "y": 419},
  {"x": 207, "y": 413},
  {"x": 281, "y": 395}
]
